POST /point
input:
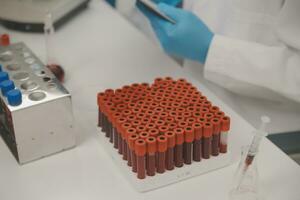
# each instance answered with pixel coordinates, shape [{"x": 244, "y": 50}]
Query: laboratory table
[{"x": 102, "y": 50}]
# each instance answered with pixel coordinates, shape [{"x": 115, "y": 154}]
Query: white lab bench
[{"x": 102, "y": 50}]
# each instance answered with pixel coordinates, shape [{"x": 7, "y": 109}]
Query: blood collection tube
[
  {"x": 216, "y": 122},
  {"x": 131, "y": 143},
  {"x": 129, "y": 132},
  {"x": 197, "y": 146},
  {"x": 124, "y": 128},
  {"x": 151, "y": 155},
  {"x": 100, "y": 97},
  {"x": 225, "y": 126},
  {"x": 170, "y": 151},
  {"x": 140, "y": 150},
  {"x": 162, "y": 146},
  {"x": 115, "y": 131},
  {"x": 207, "y": 136},
  {"x": 105, "y": 128},
  {"x": 120, "y": 122},
  {"x": 178, "y": 151},
  {"x": 110, "y": 114},
  {"x": 188, "y": 142}
]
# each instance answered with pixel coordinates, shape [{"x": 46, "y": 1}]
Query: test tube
[
  {"x": 197, "y": 146},
  {"x": 124, "y": 128},
  {"x": 207, "y": 136},
  {"x": 170, "y": 151},
  {"x": 49, "y": 41},
  {"x": 225, "y": 126},
  {"x": 115, "y": 131},
  {"x": 216, "y": 122},
  {"x": 188, "y": 141},
  {"x": 151, "y": 155},
  {"x": 110, "y": 114},
  {"x": 131, "y": 143},
  {"x": 105, "y": 129},
  {"x": 162, "y": 144},
  {"x": 178, "y": 151},
  {"x": 100, "y": 97},
  {"x": 120, "y": 121},
  {"x": 140, "y": 150},
  {"x": 129, "y": 132}
]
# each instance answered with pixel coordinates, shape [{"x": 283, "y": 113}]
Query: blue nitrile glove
[
  {"x": 189, "y": 38},
  {"x": 111, "y": 2},
  {"x": 146, "y": 12}
]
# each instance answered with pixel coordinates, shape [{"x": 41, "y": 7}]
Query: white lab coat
[{"x": 255, "y": 52}]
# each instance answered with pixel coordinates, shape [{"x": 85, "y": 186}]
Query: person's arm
[
  {"x": 243, "y": 67},
  {"x": 253, "y": 69}
]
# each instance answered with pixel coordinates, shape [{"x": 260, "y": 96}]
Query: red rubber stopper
[
  {"x": 198, "y": 127},
  {"x": 225, "y": 121},
  {"x": 162, "y": 143},
  {"x": 171, "y": 139},
  {"x": 151, "y": 145},
  {"x": 189, "y": 134},
  {"x": 140, "y": 147},
  {"x": 179, "y": 132},
  {"x": 144, "y": 135},
  {"x": 131, "y": 140},
  {"x": 216, "y": 122},
  {"x": 207, "y": 130}
]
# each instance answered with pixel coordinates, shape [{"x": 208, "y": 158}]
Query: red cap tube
[{"x": 207, "y": 130}]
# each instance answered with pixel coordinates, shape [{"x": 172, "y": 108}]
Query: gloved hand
[{"x": 189, "y": 38}]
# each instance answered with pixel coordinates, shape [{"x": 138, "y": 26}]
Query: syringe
[{"x": 253, "y": 149}]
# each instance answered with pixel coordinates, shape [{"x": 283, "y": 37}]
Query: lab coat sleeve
[{"x": 254, "y": 69}]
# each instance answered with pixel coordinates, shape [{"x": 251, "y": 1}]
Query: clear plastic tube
[
  {"x": 49, "y": 39},
  {"x": 246, "y": 169}
]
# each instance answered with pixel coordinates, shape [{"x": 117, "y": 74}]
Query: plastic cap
[
  {"x": 131, "y": 140},
  {"x": 171, "y": 139},
  {"x": 115, "y": 117},
  {"x": 6, "y": 86},
  {"x": 14, "y": 97},
  {"x": 207, "y": 130},
  {"x": 163, "y": 129},
  {"x": 140, "y": 147},
  {"x": 154, "y": 132},
  {"x": 198, "y": 127},
  {"x": 3, "y": 76},
  {"x": 189, "y": 134},
  {"x": 225, "y": 121},
  {"x": 129, "y": 131},
  {"x": 151, "y": 145},
  {"x": 100, "y": 96},
  {"x": 120, "y": 121},
  {"x": 216, "y": 122},
  {"x": 144, "y": 135},
  {"x": 162, "y": 143},
  {"x": 124, "y": 128},
  {"x": 179, "y": 132}
]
